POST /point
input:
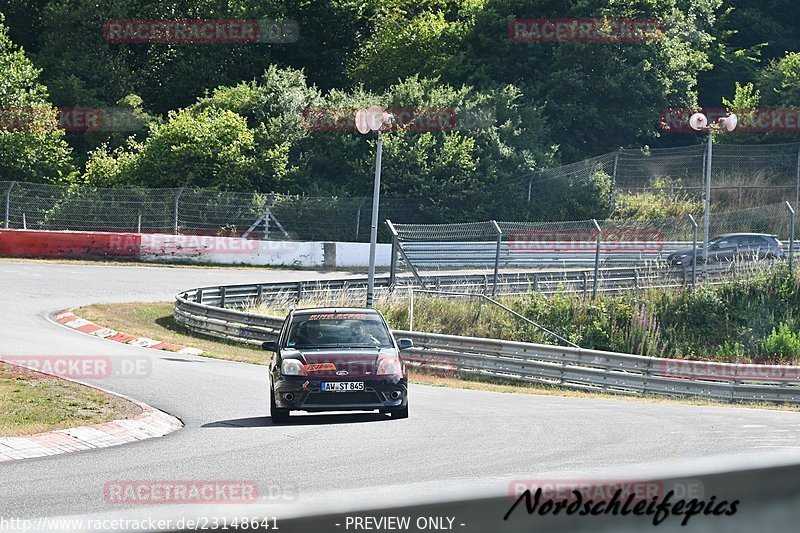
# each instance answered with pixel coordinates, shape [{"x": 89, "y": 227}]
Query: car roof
[
  {"x": 726, "y": 235},
  {"x": 316, "y": 310}
]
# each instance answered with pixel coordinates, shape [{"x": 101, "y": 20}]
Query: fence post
[
  {"x": 791, "y": 235},
  {"x": 177, "y": 198},
  {"x": 139, "y": 223},
  {"x": 530, "y": 186},
  {"x": 797, "y": 188},
  {"x": 614, "y": 179},
  {"x": 393, "y": 260},
  {"x": 267, "y": 214},
  {"x": 597, "y": 258},
  {"x": 8, "y": 202},
  {"x": 358, "y": 217},
  {"x": 497, "y": 256},
  {"x": 411, "y": 308},
  {"x": 694, "y": 250}
]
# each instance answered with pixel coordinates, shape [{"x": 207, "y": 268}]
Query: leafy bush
[
  {"x": 655, "y": 206},
  {"x": 782, "y": 343}
]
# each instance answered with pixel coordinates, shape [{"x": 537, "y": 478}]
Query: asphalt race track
[{"x": 453, "y": 438}]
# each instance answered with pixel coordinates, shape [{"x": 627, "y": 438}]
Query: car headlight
[
  {"x": 293, "y": 367},
  {"x": 389, "y": 366}
]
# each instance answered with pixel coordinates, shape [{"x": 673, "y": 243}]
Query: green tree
[
  {"x": 212, "y": 148},
  {"x": 31, "y": 146}
]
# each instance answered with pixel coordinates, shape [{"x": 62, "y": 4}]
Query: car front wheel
[
  {"x": 278, "y": 415},
  {"x": 401, "y": 412}
]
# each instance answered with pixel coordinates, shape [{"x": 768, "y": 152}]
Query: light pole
[
  {"x": 373, "y": 119},
  {"x": 699, "y": 122}
]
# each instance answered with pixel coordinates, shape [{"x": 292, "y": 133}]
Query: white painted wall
[
  {"x": 232, "y": 250},
  {"x": 356, "y": 254}
]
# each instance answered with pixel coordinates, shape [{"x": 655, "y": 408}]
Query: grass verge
[
  {"x": 31, "y": 402},
  {"x": 155, "y": 320}
]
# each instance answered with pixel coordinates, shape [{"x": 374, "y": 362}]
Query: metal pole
[
  {"x": 694, "y": 251},
  {"x": 791, "y": 235},
  {"x": 596, "y": 258},
  {"x": 373, "y": 236},
  {"x": 139, "y": 223},
  {"x": 8, "y": 202},
  {"x": 797, "y": 189},
  {"x": 530, "y": 186},
  {"x": 497, "y": 256},
  {"x": 358, "y": 217},
  {"x": 266, "y": 218},
  {"x": 614, "y": 179},
  {"x": 411, "y": 308},
  {"x": 393, "y": 260},
  {"x": 177, "y": 197},
  {"x": 707, "y": 214}
]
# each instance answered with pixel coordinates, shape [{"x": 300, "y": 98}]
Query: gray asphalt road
[{"x": 453, "y": 439}]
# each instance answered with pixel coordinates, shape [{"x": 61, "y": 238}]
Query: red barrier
[{"x": 68, "y": 244}]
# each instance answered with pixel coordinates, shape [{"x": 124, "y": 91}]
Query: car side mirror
[
  {"x": 404, "y": 344},
  {"x": 269, "y": 346}
]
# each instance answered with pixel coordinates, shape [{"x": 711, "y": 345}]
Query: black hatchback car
[
  {"x": 732, "y": 246},
  {"x": 337, "y": 359}
]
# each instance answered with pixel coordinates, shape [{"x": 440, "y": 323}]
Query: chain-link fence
[
  {"x": 497, "y": 245},
  {"x": 195, "y": 211},
  {"x": 743, "y": 176}
]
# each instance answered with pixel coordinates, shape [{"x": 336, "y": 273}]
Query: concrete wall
[{"x": 163, "y": 248}]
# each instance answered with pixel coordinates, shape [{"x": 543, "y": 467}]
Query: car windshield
[{"x": 343, "y": 330}]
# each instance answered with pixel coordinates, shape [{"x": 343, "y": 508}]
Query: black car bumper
[{"x": 302, "y": 394}]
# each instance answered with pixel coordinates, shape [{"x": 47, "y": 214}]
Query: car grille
[{"x": 342, "y": 398}]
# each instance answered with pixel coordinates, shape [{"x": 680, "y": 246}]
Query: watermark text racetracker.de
[
  {"x": 412, "y": 119},
  {"x": 709, "y": 370},
  {"x": 69, "y": 119},
  {"x": 201, "y": 31},
  {"x": 192, "y": 523},
  {"x": 653, "y": 499},
  {"x": 585, "y": 30},
  {"x": 585, "y": 240},
  {"x": 82, "y": 366},
  {"x": 757, "y": 120}
]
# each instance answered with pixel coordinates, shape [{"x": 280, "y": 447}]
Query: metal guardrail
[
  {"x": 552, "y": 281},
  {"x": 205, "y": 311},
  {"x": 433, "y": 254}
]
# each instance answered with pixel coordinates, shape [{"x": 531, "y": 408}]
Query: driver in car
[
  {"x": 308, "y": 333},
  {"x": 360, "y": 335}
]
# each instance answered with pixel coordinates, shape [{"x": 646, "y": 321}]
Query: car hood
[{"x": 340, "y": 362}]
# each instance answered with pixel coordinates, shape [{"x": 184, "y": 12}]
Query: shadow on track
[{"x": 301, "y": 420}]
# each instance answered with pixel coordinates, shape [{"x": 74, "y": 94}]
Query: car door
[
  {"x": 723, "y": 250},
  {"x": 752, "y": 247}
]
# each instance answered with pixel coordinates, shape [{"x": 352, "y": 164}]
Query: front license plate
[{"x": 342, "y": 386}]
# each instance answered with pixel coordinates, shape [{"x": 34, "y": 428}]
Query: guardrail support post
[
  {"x": 597, "y": 258},
  {"x": 497, "y": 256},
  {"x": 8, "y": 202},
  {"x": 791, "y": 235},
  {"x": 259, "y": 293},
  {"x": 198, "y": 297},
  {"x": 694, "y": 250},
  {"x": 222, "y": 297}
]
